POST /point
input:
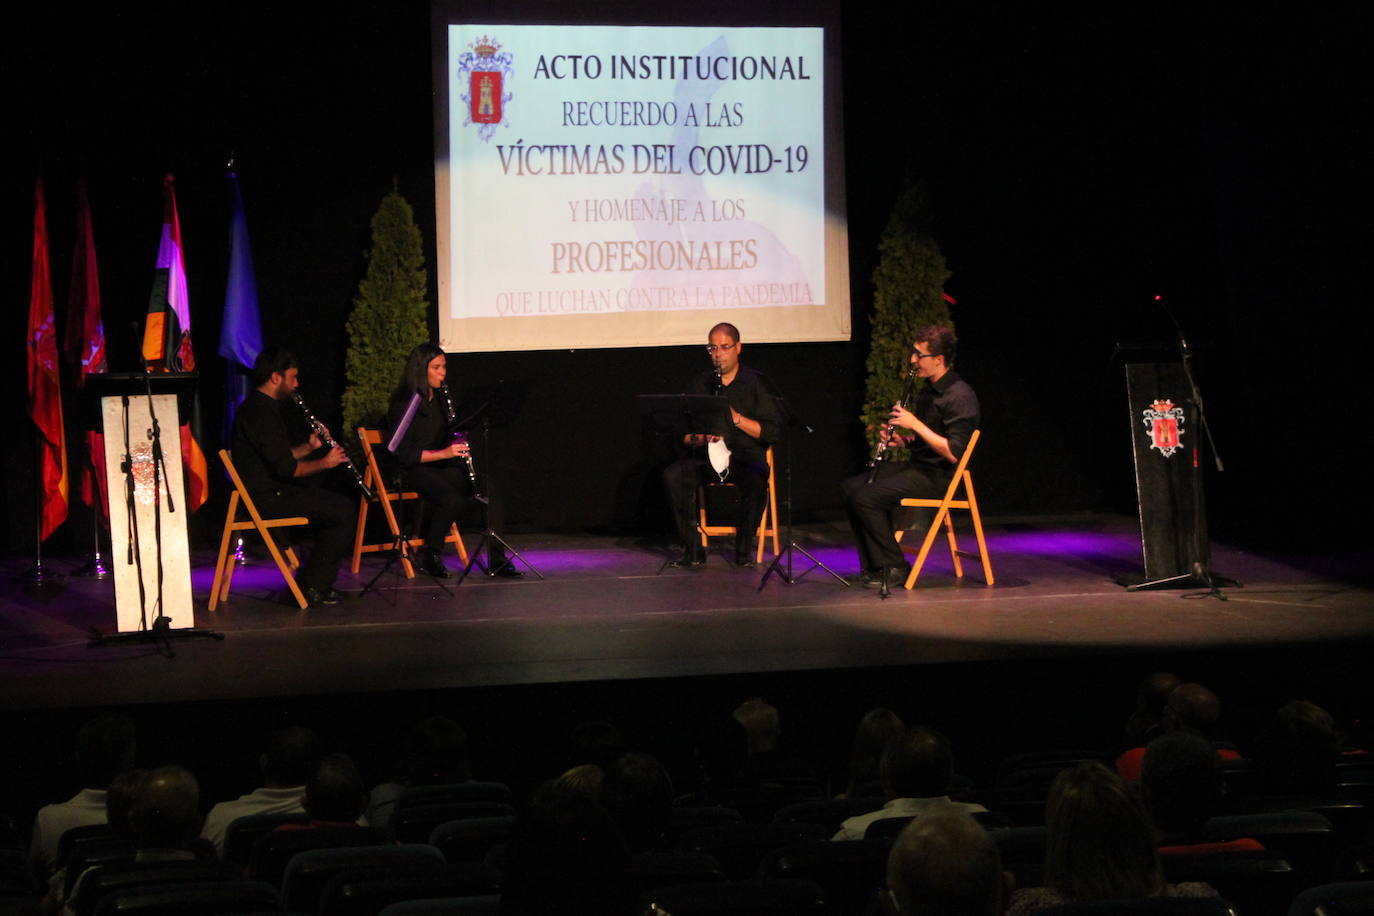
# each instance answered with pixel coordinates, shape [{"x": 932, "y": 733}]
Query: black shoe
[
  {"x": 504, "y": 568},
  {"x": 896, "y": 577},
  {"x": 689, "y": 559},
  {"x": 432, "y": 563},
  {"x": 315, "y": 597},
  {"x": 745, "y": 560}
]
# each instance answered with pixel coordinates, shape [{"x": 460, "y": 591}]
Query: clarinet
[
  {"x": 880, "y": 450},
  {"x": 452, "y": 416},
  {"x": 323, "y": 432}
]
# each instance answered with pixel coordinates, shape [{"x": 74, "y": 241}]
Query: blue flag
[{"x": 240, "y": 336}]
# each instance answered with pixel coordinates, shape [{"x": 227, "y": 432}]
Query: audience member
[
  {"x": 945, "y": 864},
  {"x": 875, "y": 730},
  {"x": 290, "y": 760},
  {"x": 917, "y": 767},
  {"x": 1190, "y": 708},
  {"x": 585, "y": 780},
  {"x": 105, "y": 747},
  {"x": 1299, "y": 750},
  {"x": 1100, "y": 846},
  {"x": 435, "y": 753},
  {"x": 567, "y": 859},
  {"x": 638, "y": 795},
  {"x": 767, "y": 763},
  {"x": 1151, "y": 696},
  {"x": 1181, "y": 786},
  {"x": 334, "y": 796},
  {"x": 119, "y": 800}
]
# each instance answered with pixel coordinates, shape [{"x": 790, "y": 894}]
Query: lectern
[{"x": 150, "y": 552}]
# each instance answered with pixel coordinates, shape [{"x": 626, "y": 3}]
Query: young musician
[
  {"x": 936, "y": 429},
  {"x": 273, "y": 469},
  {"x": 434, "y": 463},
  {"x": 755, "y": 423}
]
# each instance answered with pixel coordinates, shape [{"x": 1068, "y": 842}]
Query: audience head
[
  {"x": 435, "y": 753},
  {"x": 1151, "y": 696},
  {"x": 1181, "y": 785},
  {"x": 336, "y": 792},
  {"x": 105, "y": 747},
  {"x": 917, "y": 763},
  {"x": 945, "y": 864},
  {"x": 1301, "y": 747},
  {"x": 582, "y": 780},
  {"x": 761, "y": 723},
  {"x": 166, "y": 809},
  {"x": 1194, "y": 708},
  {"x": 119, "y": 801},
  {"x": 291, "y": 757},
  {"x": 638, "y": 794},
  {"x": 876, "y": 729},
  {"x": 1100, "y": 845}
]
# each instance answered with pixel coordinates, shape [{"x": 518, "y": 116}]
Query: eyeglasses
[
  {"x": 919, "y": 355},
  {"x": 711, "y": 348}
]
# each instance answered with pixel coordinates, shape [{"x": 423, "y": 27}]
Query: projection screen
[{"x": 614, "y": 186}]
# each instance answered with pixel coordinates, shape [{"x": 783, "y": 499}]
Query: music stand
[
  {"x": 793, "y": 420},
  {"x": 496, "y": 405},
  {"x": 683, "y": 415}
]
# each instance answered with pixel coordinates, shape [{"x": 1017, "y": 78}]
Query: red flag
[
  {"x": 84, "y": 345},
  {"x": 45, "y": 390}
]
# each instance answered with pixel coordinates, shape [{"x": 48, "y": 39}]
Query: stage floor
[{"x": 604, "y": 612}]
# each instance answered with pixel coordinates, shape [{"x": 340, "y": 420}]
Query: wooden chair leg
[
  {"x": 978, "y": 531},
  {"x": 358, "y": 536},
  {"x": 457, "y": 537},
  {"x": 925, "y": 547},
  {"x": 223, "y": 550},
  {"x": 953, "y": 546},
  {"x": 286, "y": 571}
]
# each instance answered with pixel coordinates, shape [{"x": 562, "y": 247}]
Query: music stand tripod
[
  {"x": 400, "y": 545},
  {"x": 792, "y": 546},
  {"x": 501, "y": 401}
]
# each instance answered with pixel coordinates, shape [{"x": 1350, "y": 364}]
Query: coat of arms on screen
[
  {"x": 1165, "y": 423},
  {"x": 483, "y": 71}
]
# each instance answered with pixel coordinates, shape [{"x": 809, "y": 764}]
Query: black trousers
[
  {"x": 873, "y": 508},
  {"x": 333, "y": 521},
  {"x": 446, "y": 490},
  {"x": 683, "y": 479}
]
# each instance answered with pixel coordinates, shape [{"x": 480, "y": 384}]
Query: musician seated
[
  {"x": 438, "y": 465},
  {"x": 756, "y": 423},
  {"x": 274, "y": 471}
]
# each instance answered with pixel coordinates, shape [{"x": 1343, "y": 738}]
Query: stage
[{"x": 605, "y": 612}]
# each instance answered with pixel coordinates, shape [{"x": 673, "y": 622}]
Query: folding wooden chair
[
  {"x": 224, "y": 566},
  {"x": 942, "y": 517},
  {"x": 768, "y": 524},
  {"x": 374, "y": 479}
]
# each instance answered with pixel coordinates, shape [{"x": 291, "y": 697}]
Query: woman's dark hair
[
  {"x": 415, "y": 375},
  {"x": 875, "y": 730},
  {"x": 1100, "y": 843}
]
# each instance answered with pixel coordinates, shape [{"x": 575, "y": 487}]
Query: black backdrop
[{"x": 1079, "y": 163}]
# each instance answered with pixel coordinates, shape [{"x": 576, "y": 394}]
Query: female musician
[{"x": 433, "y": 462}]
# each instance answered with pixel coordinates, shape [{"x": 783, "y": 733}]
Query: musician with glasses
[
  {"x": 437, "y": 464},
  {"x": 273, "y": 470},
  {"x": 936, "y": 428},
  {"x": 756, "y": 423}
]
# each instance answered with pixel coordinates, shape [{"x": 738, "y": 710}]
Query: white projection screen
[{"x": 621, "y": 186}]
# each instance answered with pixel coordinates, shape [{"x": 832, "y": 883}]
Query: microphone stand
[{"x": 792, "y": 546}]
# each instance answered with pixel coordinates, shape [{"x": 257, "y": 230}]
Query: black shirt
[
  {"x": 262, "y": 446},
  {"x": 950, "y": 408},
  {"x": 748, "y": 394}
]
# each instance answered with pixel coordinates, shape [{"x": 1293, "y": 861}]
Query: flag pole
[{"x": 38, "y": 575}]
